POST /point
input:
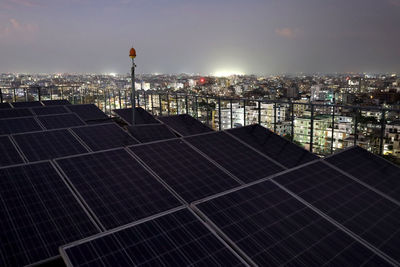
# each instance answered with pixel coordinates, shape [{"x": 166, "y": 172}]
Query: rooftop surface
[{"x": 79, "y": 188}]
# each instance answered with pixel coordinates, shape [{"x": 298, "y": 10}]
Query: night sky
[{"x": 203, "y": 36}]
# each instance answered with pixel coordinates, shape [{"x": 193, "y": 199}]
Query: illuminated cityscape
[{"x": 233, "y": 133}]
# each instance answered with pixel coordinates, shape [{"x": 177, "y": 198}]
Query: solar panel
[
  {"x": 38, "y": 111},
  {"x": 174, "y": 239},
  {"x": 27, "y": 104},
  {"x": 370, "y": 169},
  {"x": 48, "y": 144},
  {"x": 38, "y": 214},
  {"x": 14, "y": 113},
  {"x": 187, "y": 172},
  {"x": 88, "y": 112},
  {"x": 185, "y": 125},
  {"x": 275, "y": 229},
  {"x": 60, "y": 121},
  {"x": 19, "y": 125},
  {"x": 116, "y": 187},
  {"x": 151, "y": 132},
  {"x": 5, "y": 105},
  {"x": 237, "y": 158},
  {"x": 56, "y": 102},
  {"x": 8, "y": 152},
  {"x": 364, "y": 212},
  {"x": 273, "y": 145},
  {"x": 141, "y": 116},
  {"x": 104, "y": 136}
]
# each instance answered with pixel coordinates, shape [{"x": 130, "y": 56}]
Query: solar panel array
[
  {"x": 273, "y": 145},
  {"x": 58, "y": 102},
  {"x": 60, "y": 121},
  {"x": 190, "y": 174},
  {"x": 43, "y": 145},
  {"x": 240, "y": 197},
  {"x": 185, "y": 125},
  {"x": 370, "y": 169},
  {"x": 26, "y": 104},
  {"x": 89, "y": 113},
  {"x": 116, "y": 187},
  {"x": 38, "y": 214},
  {"x": 15, "y": 112},
  {"x": 236, "y": 157},
  {"x": 19, "y": 125},
  {"x": 104, "y": 136},
  {"x": 151, "y": 132},
  {"x": 141, "y": 116},
  {"x": 38, "y": 111},
  {"x": 175, "y": 239},
  {"x": 5, "y": 105},
  {"x": 8, "y": 152}
]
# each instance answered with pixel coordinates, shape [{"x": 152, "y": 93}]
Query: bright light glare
[
  {"x": 225, "y": 73},
  {"x": 113, "y": 74}
]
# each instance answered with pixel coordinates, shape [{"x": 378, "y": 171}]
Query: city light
[{"x": 227, "y": 73}]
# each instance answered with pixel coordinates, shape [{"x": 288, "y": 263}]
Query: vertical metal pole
[
  {"x": 39, "y": 94},
  {"x": 126, "y": 99},
  {"x": 312, "y": 128},
  {"x": 168, "y": 109},
  {"x": 186, "y": 104},
  {"x": 1, "y": 96},
  {"x": 230, "y": 103},
  {"x": 119, "y": 99},
  {"x": 14, "y": 95},
  {"x": 133, "y": 90},
  {"x": 177, "y": 104},
  {"x": 219, "y": 114},
  {"x": 244, "y": 112},
  {"x": 382, "y": 132},
  {"x": 145, "y": 100},
  {"x": 26, "y": 94},
  {"x": 275, "y": 117},
  {"x": 51, "y": 92},
  {"x": 152, "y": 103},
  {"x": 62, "y": 92},
  {"x": 159, "y": 100},
  {"x": 292, "y": 120},
  {"x": 333, "y": 127},
  {"x": 259, "y": 112},
  {"x": 138, "y": 99}
]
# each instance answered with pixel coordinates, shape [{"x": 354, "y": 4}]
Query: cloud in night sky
[{"x": 173, "y": 36}]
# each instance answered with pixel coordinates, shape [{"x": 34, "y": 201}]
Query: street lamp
[{"x": 132, "y": 55}]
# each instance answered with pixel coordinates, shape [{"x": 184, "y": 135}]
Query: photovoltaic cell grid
[
  {"x": 14, "y": 113},
  {"x": 237, "y": 158},
  {"x": 185, "y": 125},
  {"x": 55, "y": 102},
  {"x": 364, "y": 212},
  {"x": 116, "y": 187},
  {"x": 151, "y": 132},
  {"x": 174, "y": 239},
  {"x": 38, "y": 214},
  {"x": 49, "y": 110},
  {"x": 141, "y": 116},
  {"x": 275, "y": 229},
  {"x": 5, "y": 105},
  {"x": 26, "y": 104},
  {"x": 9, "y": 154},
  {"x": 60, "y": 121},
  {"x": 19, "y": 125},
  {"x": 187, "y": 172},
  {"x": 273, "y": 145},
  {"x": 88, "y": 112},
  {"x": 104, "y": 136},
  {"x": 48, "y": 144},
  {"x": 370, "y": 169}
]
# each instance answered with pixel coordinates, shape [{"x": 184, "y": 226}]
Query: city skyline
[{"x": 220, "y": 37}]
